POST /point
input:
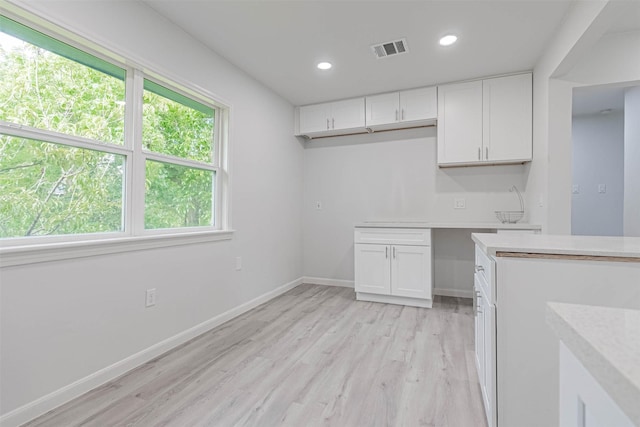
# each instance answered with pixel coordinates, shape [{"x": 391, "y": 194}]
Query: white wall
[
  {"x": 62, "y": 321},
  {"x": 632, "y": 162},
  {"x": 611, "y": 59},
  {"x": 581, "y": 53},
  {"x": 394, "y": 175},
  {"x": 543, "y": 189},
  {"x": 598, "y": 158}
]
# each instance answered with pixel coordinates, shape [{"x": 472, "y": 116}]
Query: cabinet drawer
[
  {"x": 394, "y": 236},
  {"x": 485, "y": 270}
]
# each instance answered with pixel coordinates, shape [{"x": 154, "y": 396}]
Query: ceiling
[
  {"x": 280, "y": 42},
  {"x": 595, "y": 99}
]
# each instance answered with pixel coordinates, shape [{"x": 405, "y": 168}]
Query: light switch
[
  {"x": 575, "y": 189},
  {"x": 602, "y": 188}
]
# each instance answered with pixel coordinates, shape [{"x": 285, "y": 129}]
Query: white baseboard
[
  {"x": 61, "y": 396},
  {"x": 328, "y": 282},
  {"x": 461, "y": 293}
]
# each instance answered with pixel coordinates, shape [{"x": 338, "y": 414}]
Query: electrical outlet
[
  {"x": 151, "y": 297},
  {"x": 602, "y": 188},
  {"x": 318, "y": 206},
  {"x": 459, "y": 204},
  {"x": 575, "y": 189},
  {"x": 238, "y": 263}
]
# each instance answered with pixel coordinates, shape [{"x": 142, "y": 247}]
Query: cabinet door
[
  {"x": 314, "y": 118},
  {"x": 411, "y": 271},
  {"x": 347, "y": 114},
  {"x": 418, "y": 104},
  {"x": 373, "y": 269},
  {"x": 507, "y": 117},
  {"x": 479, "y": 331},
  {"x": 489, "y": 359},
  {"x": 383, "y": 109},
  {"x": 459, "y": 123}
]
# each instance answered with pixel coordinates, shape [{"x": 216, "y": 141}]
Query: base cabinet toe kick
[{"x": 394, "y": 266}]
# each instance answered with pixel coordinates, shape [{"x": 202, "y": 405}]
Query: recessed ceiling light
[
  {"x": 448, "y": 40},
  {"x": 324, "y": 65}
]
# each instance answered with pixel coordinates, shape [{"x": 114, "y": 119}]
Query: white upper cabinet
[
  {"x": 459, "y": 123},
  {"x": 419, "y": 104},
  {"x": 383, "y": 109},
  {"x": 332, "y": 118},
  {"x": 416, "y": 107},
  {"x": 314, "y": 118},
  {"x": 507, "y": 112},
  {"x": 347, "y": 114},
  {"x": 485, "y": 122}
]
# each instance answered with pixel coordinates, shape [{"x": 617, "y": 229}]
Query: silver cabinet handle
[
  {"x": 394, "y": 252},
  {"x": 479, "y": 153},
  {"x": 396, "y": 115},
  {"x": 386, "y": 252},
  {"x": 333, "y": 123},
  {"x": 486, "y": 153},
  {"x": 479, "y": 268},
  {"x": 403, "y": 114},
  {"x": 327, "y": 124}
]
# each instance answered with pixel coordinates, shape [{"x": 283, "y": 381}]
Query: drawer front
[
  {"x": 485, "y": 270},
  {"x": 394, "y": 236}
]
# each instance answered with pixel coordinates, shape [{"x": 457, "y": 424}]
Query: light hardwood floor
[{"x": 313, "y": 356}]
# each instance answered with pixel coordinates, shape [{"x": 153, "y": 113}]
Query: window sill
[{"x": 32, "y": 254}]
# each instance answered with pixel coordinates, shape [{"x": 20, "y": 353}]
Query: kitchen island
[
  {"x": 599, "y": 364},
  {"x": 518, "y": 364}
]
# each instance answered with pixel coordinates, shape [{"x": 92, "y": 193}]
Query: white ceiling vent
[{"x": 382, "y": 50}]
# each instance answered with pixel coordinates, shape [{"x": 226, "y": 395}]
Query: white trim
[
  {"x": 460, "y": 293},
  {"x": 31, "y": 254},
  {"x": 170, "y": 159},
  {"x": 52, "y": 400},
  {"x": 328, "y": 282},
  {"x": 68, "y": 140}
]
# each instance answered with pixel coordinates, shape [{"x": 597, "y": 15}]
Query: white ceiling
[
  {"x": 280, "y": 42},
  {"x": 594, "y": 99}
]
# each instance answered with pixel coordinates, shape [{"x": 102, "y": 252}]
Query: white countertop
[
  {"x": 607, "y": 342},
  {"x": 433, "y": 224},
  {"x": 628, "y": 247}
]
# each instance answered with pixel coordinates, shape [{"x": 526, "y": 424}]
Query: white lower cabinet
[
  {"x": 396, "y": 267},
  {"x": 583, "y": 401},
  {"x": 373, "y": 269},
  {"x": 485, "y": 335}
]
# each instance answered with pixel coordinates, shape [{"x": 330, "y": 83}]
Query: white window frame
[{"x": 26, "y": 250}]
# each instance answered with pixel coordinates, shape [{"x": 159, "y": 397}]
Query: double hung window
[{"x": 92, "y": 148}]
